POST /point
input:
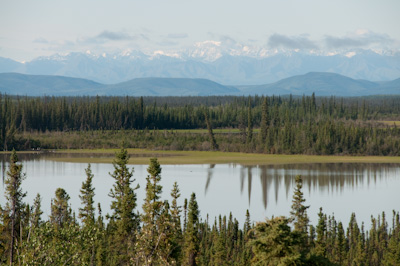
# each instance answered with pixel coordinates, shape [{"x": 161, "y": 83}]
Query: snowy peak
[{"x": 224, "y": 62}]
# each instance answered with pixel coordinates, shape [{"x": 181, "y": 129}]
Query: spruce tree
[
  {"x": 176, "y": 223},
  {"x": 191, "y": 238},
  {"x": 36, "y": 211},
  {"x": 264, "y": 122},
  {"x": 13, "y": 212},
  {"x": 214, "y": 144},
  {"x": 299, "y": 211},
  {"x": 124, "y": 222},
  {"x": 340, "y": 245},
  {"x": 275, "y": 244},
  {"x": 60, "y": 209},
  {"x": 86, "y": 213},
  {"x": 320, "y": 243},
  {"x": 152, "y": 237},
  {"x": 249, "y": 123}
]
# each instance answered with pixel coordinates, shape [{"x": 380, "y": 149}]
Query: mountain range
[
  {"x": 212, "y": 60},
  {"x": 322, "y": 83}
]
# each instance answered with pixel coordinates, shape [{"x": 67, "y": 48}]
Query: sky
[{"x": 30, "y": 29}]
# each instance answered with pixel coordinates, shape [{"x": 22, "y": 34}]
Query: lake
[{"x": 341, "y": 188}]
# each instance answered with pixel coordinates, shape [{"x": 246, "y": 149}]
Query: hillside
[
  {"x": 169, "y": 87},
  {"x": 323, "y": 84},
  {"x": 38, "y": 85}
]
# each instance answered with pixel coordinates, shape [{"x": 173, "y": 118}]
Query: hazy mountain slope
[
  {"x": 7, "y": 65},
  {"x": 36, "y": 85},
  {"x": 323, "y": 84},
  {"x": 170, "y": 87}
]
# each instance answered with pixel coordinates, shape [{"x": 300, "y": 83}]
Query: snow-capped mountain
[{"x": 223, "y": 62}]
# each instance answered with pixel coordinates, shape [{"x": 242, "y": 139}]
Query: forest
[
  {"x": 272, "y": 125},
  {"x": 164, "y": 233}
]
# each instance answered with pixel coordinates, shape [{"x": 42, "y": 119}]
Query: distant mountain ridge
[
  {"x": 39, "y": 85},
  {"x": 227, "y": 65},
  {"x": 323, "y": 84}
]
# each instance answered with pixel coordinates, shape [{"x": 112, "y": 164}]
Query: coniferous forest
[
  {"x": 274, "y": 125},
  {"x": 164, "y": 233}
]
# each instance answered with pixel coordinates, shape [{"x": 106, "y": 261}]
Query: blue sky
[{"x": 43, "y": 27}]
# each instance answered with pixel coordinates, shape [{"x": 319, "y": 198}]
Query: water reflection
[
  {"x": 209, "y": 176},
  {"x": 327, "y": 178},
  {"x": 367, "y": 189}
]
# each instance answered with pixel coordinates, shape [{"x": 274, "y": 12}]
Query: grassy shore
[
  {"x": 141, "y": 156},
  {"x": 391, "y": 123}
]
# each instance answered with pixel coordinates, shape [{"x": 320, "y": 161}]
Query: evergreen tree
[
  {"x": 36, "y": 211},
  {"x": 275, "y": 244},
  {"x": 124, "y": 222},
  {"x": 191, "y": 238},
  {"x": 214, "y": 144},
  {"x": 176, "y": 223},
  {"x": 299, "y": 211},
  {"x": 13, "y": 212},
  {"x": 60, "y": 209},
  {"x": 320, "y": 243},
  {"x": 340, "y": 245},
  {"x": 264, "y": 122},
  {"x": 185, "y": 204},
  {"x": 249, "y": 123},
  {"x": 86, "y": 214},
  {"x": 152, "y": 237}
]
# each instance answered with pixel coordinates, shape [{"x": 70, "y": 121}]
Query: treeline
[
  {"x": 302, "y": 125},
  {"x": 326, "y": 138},
  {"x": 165, "y": 233}
]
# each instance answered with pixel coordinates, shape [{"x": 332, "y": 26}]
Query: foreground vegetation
[
  {"x": 164, "y": 233},
  {"x": 272, "y": 125}
]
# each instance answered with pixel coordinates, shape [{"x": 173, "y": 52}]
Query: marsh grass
[
  {"x": 391, "y": 123},
  {"x": 141, "y": 156}
]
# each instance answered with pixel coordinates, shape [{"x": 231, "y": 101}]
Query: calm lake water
[{"x": 366, "y": 189}]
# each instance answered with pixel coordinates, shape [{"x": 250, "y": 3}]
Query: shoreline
[{"x": 142, "y": 156}]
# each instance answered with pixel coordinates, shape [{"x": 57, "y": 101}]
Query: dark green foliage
[
  {"x": 299, "y": 210},
  {"x": 13, "y": 213},
  {"x": 177, "y": 237},
  {"x": 191, "y": 238},
  {"x": 36, "y": 211},
  {"x": 61, "y": 213},
  {"x": 214, "y": 144},
  {"x": 263, "y": 122},
  {"x": 86, "y": 214},
  {"x": 249, "y": 122},
  {"x": 275, "y": 244},
  {"x": 154, "y": 243},
  {"x": 124, "y": 222},
  {"x": 290, "y": 125}
]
